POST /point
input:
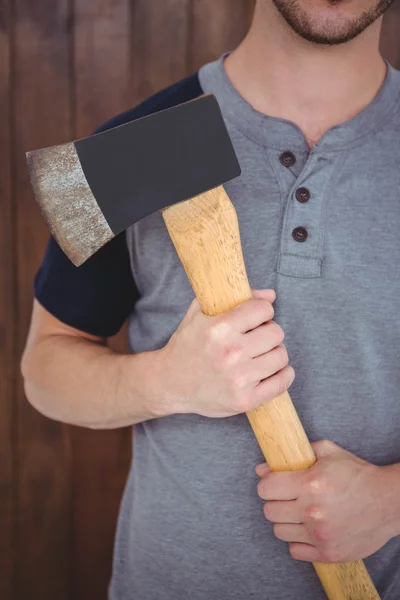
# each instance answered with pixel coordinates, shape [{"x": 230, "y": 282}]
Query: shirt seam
[
  {"x": 383, "y": 122},
  {"x": 315, "y": 258},
  {"x": 294, "y": 147},
  {"x": 358, "y": 141},
  {"x": 275, "y": 174}
]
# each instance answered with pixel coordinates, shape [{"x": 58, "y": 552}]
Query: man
[{"x": 312, "y": 110}]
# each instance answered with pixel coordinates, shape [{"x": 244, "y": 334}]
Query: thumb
[{"x": 269, "y": 295}]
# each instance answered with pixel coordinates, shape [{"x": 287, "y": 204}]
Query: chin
[{"x": 331, "y": 21}]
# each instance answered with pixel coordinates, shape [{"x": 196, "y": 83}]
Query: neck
[{"x": 316, "y": 87}]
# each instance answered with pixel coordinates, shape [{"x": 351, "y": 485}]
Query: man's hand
[
  {"x": 228, "y": 364},
  {"x": 341, "y": 509}
]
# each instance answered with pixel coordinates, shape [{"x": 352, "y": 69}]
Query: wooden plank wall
[
  {"x": 42, "y": 116},
  {"x": 65, "y": 67},
  {"x": 7, "y": 317}
]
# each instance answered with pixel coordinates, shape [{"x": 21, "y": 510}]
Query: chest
[{"x": 329, "y": 215}]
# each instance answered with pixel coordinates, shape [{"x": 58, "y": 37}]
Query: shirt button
[
  {"x": 303, "y": 195},
  {"x": 300, "y": 234},
  {"x": 288, "y": 159}
]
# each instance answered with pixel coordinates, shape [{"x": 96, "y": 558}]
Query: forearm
[{"x": 84, "y": 383}]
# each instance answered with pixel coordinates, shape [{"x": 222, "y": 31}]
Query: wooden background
[{"x": 65, "y": 67}]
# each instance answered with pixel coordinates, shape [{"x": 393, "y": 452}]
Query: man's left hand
[{"x": 341, "y": 509}]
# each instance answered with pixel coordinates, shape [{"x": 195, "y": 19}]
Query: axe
[{"x": 176, "y": 161}]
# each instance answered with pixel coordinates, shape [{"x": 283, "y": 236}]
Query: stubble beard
[{"x": 328, "y": 34}]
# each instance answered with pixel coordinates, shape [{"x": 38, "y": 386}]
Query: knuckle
[
  {"x": 323, "y": 534},
  {"x": 318, "y": 484},
  {"x": 314, "y": 512},
  {"x": 226, "y": 356},
  {"x": 217, "y": 331}
]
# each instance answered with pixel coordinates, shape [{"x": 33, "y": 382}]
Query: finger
[
  {"x": 272, "y": 387},
  {"x": 262, "y": 469},
  {"x": 269, "y": 295},
  {"x": 281, "y": 486},
  {"x": 283, "y": 512},
  {"x": 248, "y": 315},
  {"x": 268, "y": 364},
  {"x": 292, "y": 534},
  {"x": 304, "y": 552},
  {"x": 263, "y": 339}
]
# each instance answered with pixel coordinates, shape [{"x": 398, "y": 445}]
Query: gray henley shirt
[{"x": 191, "y": 525}]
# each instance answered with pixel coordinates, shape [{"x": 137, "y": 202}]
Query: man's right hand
[{"x": 228, "y": 364}]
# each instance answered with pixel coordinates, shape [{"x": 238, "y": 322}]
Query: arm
[
  {"x": 73, "y": 377},
  {"x": 212, "y": 366}
]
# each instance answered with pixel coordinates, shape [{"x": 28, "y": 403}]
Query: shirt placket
[{"x": 303, "y": 223}]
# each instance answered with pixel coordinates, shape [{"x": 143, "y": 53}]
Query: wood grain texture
[
  {"x": 8, "y": 318},
  {"x": 281, "y": 436},
  {"x": 42, "y": 118},
  {"x": 347, "y": 581},
  {"x": 101, "y": 459},
  {"x": 205, "y": 233}
]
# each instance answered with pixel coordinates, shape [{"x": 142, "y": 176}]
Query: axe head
[{"x": 92, "y": 189}]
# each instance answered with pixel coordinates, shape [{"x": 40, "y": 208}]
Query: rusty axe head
[{"x": 92, "y": 189}]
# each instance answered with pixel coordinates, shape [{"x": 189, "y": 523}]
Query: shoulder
[
  {"x": 178, "y": 93},
  {"x": 99, "y": 296}
]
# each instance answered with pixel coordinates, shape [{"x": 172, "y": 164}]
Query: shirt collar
[{"x": 283, "y": 134}]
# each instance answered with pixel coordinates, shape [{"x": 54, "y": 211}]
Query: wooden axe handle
[{"x": 205, "y": 233}]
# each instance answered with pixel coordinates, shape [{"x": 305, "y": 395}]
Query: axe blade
[{"x": 92, "y": 189}]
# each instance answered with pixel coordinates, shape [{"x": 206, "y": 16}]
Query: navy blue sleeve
[
  {"x": 99, "y": 296},
  {"x": 96, "y": 297}
]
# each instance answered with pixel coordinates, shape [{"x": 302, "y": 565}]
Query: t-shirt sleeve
[
  {"x": 99, "y": 296},
  {"x": 96, "y": 297}
]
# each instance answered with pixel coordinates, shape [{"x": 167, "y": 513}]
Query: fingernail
[{"x": 262, "y": 469}]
